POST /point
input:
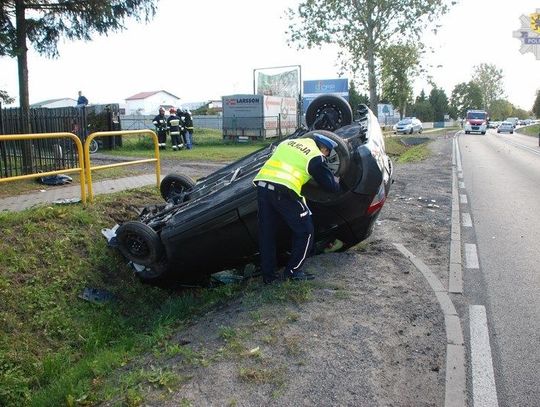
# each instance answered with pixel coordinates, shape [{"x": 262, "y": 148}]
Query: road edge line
[{"x": 455, "y": 383}]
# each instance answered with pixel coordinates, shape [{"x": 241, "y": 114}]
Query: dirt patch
[{"x": 368, "y": 331}]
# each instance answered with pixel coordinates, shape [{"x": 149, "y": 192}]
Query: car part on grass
[{"x": 210, "y": 225}]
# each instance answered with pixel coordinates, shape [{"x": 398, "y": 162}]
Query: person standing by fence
[
  {"x": 82, "y": 101},
  {"x": 188, "y": 125}
]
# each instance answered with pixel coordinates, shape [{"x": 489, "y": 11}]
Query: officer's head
[
  {"x": 325, "y": 144},
  {"x": 172, "y": 110},
  {"x": 161, "y": 110}
]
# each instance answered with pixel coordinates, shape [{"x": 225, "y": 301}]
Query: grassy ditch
[
  {"x": 401, "y": 151},
  {"x": 59, "y": 349}
]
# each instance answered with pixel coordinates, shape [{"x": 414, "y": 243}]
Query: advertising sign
[
  {"x": 283, "y": 84},
  {"x": 315, "y": 88}
]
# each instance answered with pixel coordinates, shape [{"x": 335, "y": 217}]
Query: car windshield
[
  {"x": 405, "y": 121},
  {"x": 476, "y": 115}
]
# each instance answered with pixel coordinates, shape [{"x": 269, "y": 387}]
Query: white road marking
[
  {"x": 455, "y": 389},
  {"x": 523, "y": 146},
  {"x": 471, "y": 256},
  {"x": 483, "y": 379},
  {"x": 466, "y": 220},
  {"x": 463, "y": 198}
]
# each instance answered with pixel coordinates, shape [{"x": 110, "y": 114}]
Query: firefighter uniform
[
  {"x": 279, "y": 183},
  {"x": 175, "y": 126},
  {"x": 161, "y": 127}
]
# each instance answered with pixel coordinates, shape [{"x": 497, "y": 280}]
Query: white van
[{"x": 513, "y": 120}]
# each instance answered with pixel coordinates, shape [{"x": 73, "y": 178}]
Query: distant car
[
  {"x": 493, "y": 124},
  {"x": 506, "y": 127},
  {"x": 211, "y": 225},
  {"x": 408, "y": 125}
]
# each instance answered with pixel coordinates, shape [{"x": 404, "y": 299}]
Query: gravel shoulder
[{"x": 368, "y": 332}]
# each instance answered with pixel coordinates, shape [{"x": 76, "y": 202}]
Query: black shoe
[
  {"x": 299, "y": 276},
  {"x": 271, "y": 280}
]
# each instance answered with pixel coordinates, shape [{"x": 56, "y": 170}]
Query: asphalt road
[{"x": 501, "y": 181}]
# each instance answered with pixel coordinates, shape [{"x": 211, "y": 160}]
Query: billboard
[
  {"x": 315, "y": 88},
  {"x": 277, "y": 81}
]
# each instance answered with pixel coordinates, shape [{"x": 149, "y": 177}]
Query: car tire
[
  {"x": 483, "y": 133},
  {"x": 339, "y": 168},
  {"x": 511, "y": 132},
  {"x": 139, "y": 243},
  {"x": 173, "y": 185},
  {"x": 498, "y": 131},
  {"x": 466, "y": 132},
  {"x": 412, "y": 131},
  {"x": 337, "y": 112},
  {"x": 312, "y": 191}
]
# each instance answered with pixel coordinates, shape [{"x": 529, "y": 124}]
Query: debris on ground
[{"x": 96, "y": 295}]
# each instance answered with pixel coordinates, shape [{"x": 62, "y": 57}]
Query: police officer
[
  {"x": 161, "y": 125},
  {"x": 279, "y": 183}
]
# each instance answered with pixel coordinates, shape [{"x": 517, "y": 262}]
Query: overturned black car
[{"x": 211, "y": 225}]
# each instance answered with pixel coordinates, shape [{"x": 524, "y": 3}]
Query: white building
[
  {"x": 148, "y": 103},
  {"x": 52, "y": 103}
]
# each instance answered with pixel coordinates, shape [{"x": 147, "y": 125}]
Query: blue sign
[{"x": 326, "y": 86}]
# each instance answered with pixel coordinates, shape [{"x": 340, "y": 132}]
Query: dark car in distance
[{"x": 211, "y": 225}]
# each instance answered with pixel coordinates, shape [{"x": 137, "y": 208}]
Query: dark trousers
[
  {"x": 162, "y": 136},
  {"x": 275, "y": 206},
  {"x": 175, "y": 138}
]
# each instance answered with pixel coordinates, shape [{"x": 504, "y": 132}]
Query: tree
[
  {"x": 355, "y": 98},
  {"x": 5, "y": 98},
  {"x": 489, "y": 79},
  {"x": 439, "y": 103},
  {"x": 500, "y": 109},
  {"x": 536, "y": 105},
  {"x": 399, "y": 67},
  {"x": 361, "y": 29},
  {"x": 50, "y": 20},
  {"x": 466, "y": 96}
]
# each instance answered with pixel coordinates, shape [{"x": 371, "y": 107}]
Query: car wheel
[
  {"x": 340, "y": 157},
  {"x": 511, "y": 132},
  {"x": 139, "y": 243},
  {"x": 483, "y": 133},
  {"x": 466, "y": 132},
  {"x": 338, "y": 162},
  {"x": 498, "y": 131},
  {"x": 421, "y": 130},
  {"x": 328, "y": 112},
  {"x": 412, "y": 131},
  {"x": 174, "y": 186}
]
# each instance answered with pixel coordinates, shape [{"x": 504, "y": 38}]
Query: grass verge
[
  {"x": 54, "y": 346},
  {"x": 58, "y": 349},
  {"x": 208, "y": 146},
  {"x": 533, "y": 130}
]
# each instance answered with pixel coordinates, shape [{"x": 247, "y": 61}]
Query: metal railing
[
  {"x": 80, "y": 169},
  {"x": 89, "y": 168}
]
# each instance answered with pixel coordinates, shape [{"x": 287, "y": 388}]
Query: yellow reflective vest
[{"x": 288, "y": 165}]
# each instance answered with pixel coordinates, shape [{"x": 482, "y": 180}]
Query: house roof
[
  {"x": 144, "y": 95},
  {"x": 49, "y": 101}
]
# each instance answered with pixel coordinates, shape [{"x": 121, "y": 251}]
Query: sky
[{"x": 204, "y": 50}]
